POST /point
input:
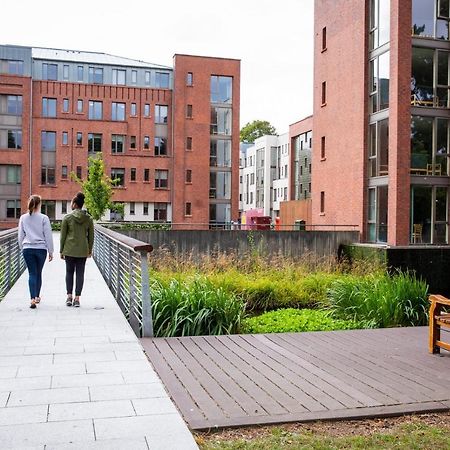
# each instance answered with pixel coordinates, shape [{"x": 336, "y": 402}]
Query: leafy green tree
[
  {"x": 257, "y": 128},
  {"x": 97, "y": 188}
]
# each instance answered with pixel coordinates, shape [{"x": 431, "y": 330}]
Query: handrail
[
  {"x": 12, "y": 264},
  {"x": 123, "y": 263}
]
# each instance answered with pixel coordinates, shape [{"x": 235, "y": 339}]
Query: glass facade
[
  {"x": 430, "y": 19},
  {"x": 379, "y": 23}
]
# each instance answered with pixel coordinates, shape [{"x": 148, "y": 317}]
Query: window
[
  {"x": 322, "y": 148},
  {"x": 79, "y": 138},
  {"x": 48, "y": 107},
  {"x": 95, "y": 75},
  {"x": 221, "y": 89},
  {"x": 64, "y": 207},
  {"x": 379, "y": 23},
  {"x": 146, "y": 142},
  {"x": 220, "y": 213},
  {"x": 95, "y": 110},
  {"x": 64, "y": 172},
  {"x": 49, "y": 71},
  {"x": 13, "y": 209},
  {"x": 147, "y": 175},
  {"x": 15, "y": 67},
  {"x": 220, "y": 153},
  {"x": 14, "y": 105},
  {"x": 220, "y": 185},
  {"x": 189, "y": 111},
  {"x": 324, "y": 38},
  {"x": 162, "y": 80},
  {"x": 47, "y": 175},
  {"x": 118, "y": 176},
  {"x": 65, "y": 72},
  {"x": 79, "y": 106},
  {"x": 14, "y": 174},
  {"x": 132, "y": 208},
  {"x": 379, "y": 148},
  {"x": 146, "y": 110},
  {"x": 161, "y": 112},
  {"x": 66, "y": 105},
  {"x": 79, "y": 172},
  {"x": 132, "y": 141},
  {"x": 160, "y": 211},
  {"x": 133, "y": 109},
  {"x": 48, "y": 141},
  {"x": 188, "y": 176},
  {"x": 379, "y": 82},
  {"x": 160, "y": 146},
  {"x": 188, "y": 209},
  {"x": 118, "y": 76},
  {"x": 133, "y": 76},
  {"x": 133, "y": 174},
  {"x": 161, "y": 179},
  {"x": 322, "y": 202},
  {"x": 15, "y": 139},
  {"x": 80, "y": 73},
  {"x": 65, "y": 138},
  {"x": 324, "y": 92},
  {"x": 147, "y": 78},
  {"x": 189, "y": 79},
  {"x": 117, "y": 143},
  {"x": 118, "y": 111},
  {"x": 94, "y": 142},
  {"x": 48, "y": 207},
  {"x": 145, "y": 208},
  {"x": 189, "y": 143},
  {"x": 220, "y": 120}
]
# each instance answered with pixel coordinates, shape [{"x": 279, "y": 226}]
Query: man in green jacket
[{"x": 77, "y": 240}]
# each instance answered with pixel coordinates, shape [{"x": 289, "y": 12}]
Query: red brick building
[
  {"x": 381, "y": 118},
  {"x": 170, "y": 135}
]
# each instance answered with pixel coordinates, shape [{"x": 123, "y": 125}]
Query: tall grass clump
[
  {"x": 194, "y": 309},
  {"x": 380, "y": 300}
]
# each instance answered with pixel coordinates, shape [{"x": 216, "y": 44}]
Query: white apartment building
[{"x": 264, "y": 174}]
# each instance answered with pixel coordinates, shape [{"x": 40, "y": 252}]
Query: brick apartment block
[{"x": 171, "y": 135}]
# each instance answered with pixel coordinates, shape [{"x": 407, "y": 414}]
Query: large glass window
[
  {"x": 220, "y": 120},
  {"x": 49, "y": 107},
  {"x": 13, "y": 174},
  {"x": 220, "y": 153},
  {"x": 221, "y": 89},
  {"x": 48, "y": 141},
  {"x": 220, "y": 185},
  {"x": 377, "y": 216},
  {"x": 160, "y": 211},
  {"x": 220, "y": 213},
  {"x": 13, "y": 209},
  {"x": 379, "y": 82},
  {"x": 162, "y": 80},
  {"x": 95, "y": 110},
  {"x": 117, "y": 111},
  {"x": 161, "y": 112},
  {"x": 161, "y": 179},
  {"x": 379, "y": 148},
  {"x": 422, "y": 85},
  {"x": 14, "y": 105},
  {"x": 379, "y": 22},
  {"x": 49, "y": 72},
  {"x": 118, "y": 76},
  {"x": 118, "y": 176},
  {"x": 430, "y": 19},
  {"x": 15, "y": 139},
  {"x": 160, "y": 146},
  {"x": 117, "y": 143},
  {"x": 95, "y": 75},
  {"x": 94, "y": 142}
]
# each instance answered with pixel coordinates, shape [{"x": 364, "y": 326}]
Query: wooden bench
[{"x": 438, "y": 320}]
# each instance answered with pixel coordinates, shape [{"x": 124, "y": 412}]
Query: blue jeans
[{"x": 34, "y": 259}]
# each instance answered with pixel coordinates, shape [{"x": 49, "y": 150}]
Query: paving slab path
[{"x": 77, "y": 378}]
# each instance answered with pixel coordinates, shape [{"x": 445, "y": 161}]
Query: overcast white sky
[{"x": 273, "y": 39}]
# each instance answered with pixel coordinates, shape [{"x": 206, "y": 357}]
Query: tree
[
  {"x": 257, "y": 128},
  {"x": 97, "y": 188}
]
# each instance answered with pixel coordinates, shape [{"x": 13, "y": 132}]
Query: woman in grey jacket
[{"x": 35, "y": 239}]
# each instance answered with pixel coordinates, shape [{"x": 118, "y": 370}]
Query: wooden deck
[{"x": 220, "y": 381}]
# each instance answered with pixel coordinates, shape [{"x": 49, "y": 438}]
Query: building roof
[{"x": 56, "y": 54}]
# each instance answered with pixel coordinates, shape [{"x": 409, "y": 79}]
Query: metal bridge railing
[
  {"x": 12, "y": 263},
  {"x": 123, "y": 263}
]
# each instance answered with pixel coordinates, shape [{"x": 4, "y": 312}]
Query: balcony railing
[
  {"x": 12, "y": 263},
  {"x": 123, "y": 263}
]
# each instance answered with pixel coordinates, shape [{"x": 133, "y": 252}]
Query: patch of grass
[
  {"x": 296, "y": 320},
  {"x": 383, "y": 300},
  {"x": 404, "y": 437}
]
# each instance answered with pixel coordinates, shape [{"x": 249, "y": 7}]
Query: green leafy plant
[{"x": 296, "y": 320}]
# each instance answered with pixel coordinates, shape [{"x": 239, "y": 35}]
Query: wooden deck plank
[{"x": 220, "y": 381}]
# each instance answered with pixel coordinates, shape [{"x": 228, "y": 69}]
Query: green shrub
[
  {"x": 194, "y": 309},
  {"x": 295, "y": 320},
  {"x": 400, "y": 300},
  {"x": 56, "y": 226}
]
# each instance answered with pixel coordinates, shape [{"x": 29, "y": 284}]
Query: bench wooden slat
[{"x": 438, "y": 319}]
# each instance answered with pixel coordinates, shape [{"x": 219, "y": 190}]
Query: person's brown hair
[
  {"x": 33, "y": 202},
  {"x": 79, "y": 199}
]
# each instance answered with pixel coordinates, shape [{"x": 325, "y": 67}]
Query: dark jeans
[
  {"x": 34, "y": 259},
  {"x": 74, "y": 264}
]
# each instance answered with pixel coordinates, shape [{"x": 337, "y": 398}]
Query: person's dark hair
[
  {"x": 79, "y": 200},
  {"x": 33, "y": 202}
]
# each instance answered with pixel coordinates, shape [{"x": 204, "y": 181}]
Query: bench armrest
[{"x": 439, "y": 299}]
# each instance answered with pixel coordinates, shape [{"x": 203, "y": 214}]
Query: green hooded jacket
[{"x": 77, "y": 234}]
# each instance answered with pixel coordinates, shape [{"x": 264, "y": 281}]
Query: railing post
[{"x": 147, "y": 319}]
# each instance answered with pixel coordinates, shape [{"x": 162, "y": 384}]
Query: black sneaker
[
  {"x": 76, "y": 303},
  {"x": 33, "y": 305},
  {"x": 69, "y": 302}
]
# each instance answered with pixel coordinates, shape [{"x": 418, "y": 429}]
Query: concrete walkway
[{"x": 78, "y": 378}]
